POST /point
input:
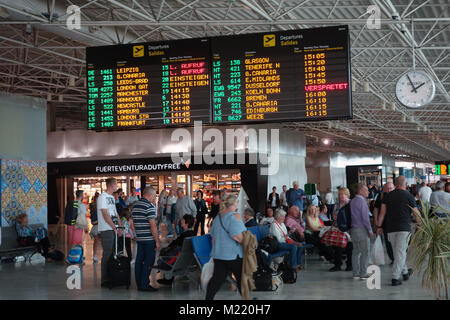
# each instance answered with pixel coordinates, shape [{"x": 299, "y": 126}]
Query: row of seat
[{"x": 202, "y": 245}]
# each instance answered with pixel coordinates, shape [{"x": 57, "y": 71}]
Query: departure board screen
[
  {"x": 294, "y": 75},
  {"x": 281, "y": 76},
  {"x": 152, "y": 84}
]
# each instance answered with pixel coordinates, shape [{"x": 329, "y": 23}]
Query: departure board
[
  {"x": 145, "y": 85},
  {"x": 281, "y": 76},
  {"x": 294, "y": 75}
]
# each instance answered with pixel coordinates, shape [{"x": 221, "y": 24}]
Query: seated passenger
[
  {"x": 323, "y": 216},
  {"x": 168, "y": 255},
  {"x": 279, "y": 231},
  {"x": 294, "y": 222},
  {"x": 268, "y": 219},
  {"x": 249, "y": 217},
  {"x": 313, "y": 227},
  {"x": 27, "y": 237}
]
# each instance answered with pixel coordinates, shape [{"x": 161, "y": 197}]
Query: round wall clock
[{"x": 415, "y": 89}]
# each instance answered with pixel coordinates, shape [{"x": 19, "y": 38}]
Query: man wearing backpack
[{"x": 73, "y": 208}]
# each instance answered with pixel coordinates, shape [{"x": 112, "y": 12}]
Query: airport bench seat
[
  {"x": 263, "y": 231},
  {"x": 10, "y": 247}
]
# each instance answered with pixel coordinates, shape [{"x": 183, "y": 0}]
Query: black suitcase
[{"x": 119, "y": 268}]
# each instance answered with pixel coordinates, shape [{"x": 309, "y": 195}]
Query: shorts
[
  {"x": 75, "y": 235},
  {"x": 94, "y": 231}
]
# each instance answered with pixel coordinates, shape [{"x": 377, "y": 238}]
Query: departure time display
[
  {"x": 293, "y": 75},
  {"x": 157, "y": 84}
]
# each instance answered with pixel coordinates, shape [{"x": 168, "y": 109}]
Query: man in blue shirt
[
  {"x": 295, "y": 196},
  {"x": 144, "y": 215}
]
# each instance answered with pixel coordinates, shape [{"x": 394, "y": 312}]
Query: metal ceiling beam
[{"x": 314, "y": 22}]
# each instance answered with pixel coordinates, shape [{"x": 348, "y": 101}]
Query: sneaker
[
  {"x": 396, "y": 282},
  {"x": 406, "y": 276},
  {"x": 364, "y": 277},
  {"x": 356, "y": 277},
  {"x": 335, "y": 268},
  {"x": 276, "y": 273},
  {"x": 149, "y": 289},
  {"x": 167, "y": 282},
  {"x": 95, "y": 259},
  {"x": 170, "y": 236}
]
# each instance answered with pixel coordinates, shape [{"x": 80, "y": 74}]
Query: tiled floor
[{"x": 48, "y": 281}]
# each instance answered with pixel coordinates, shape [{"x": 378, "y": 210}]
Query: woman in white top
[
  {"x": 268, "y": 219},
  {"x": 170, "y": 212},
  {"x": 279, "y": 231}
]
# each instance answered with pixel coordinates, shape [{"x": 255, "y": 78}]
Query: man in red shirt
[{"x": 294, "y": 221}]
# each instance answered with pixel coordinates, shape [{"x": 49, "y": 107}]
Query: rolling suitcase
[{"x": 119, "y": 268}]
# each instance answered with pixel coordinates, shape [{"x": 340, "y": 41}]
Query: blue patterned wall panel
[{"x": 23, "y": 190}]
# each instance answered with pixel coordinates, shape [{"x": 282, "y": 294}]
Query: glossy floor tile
[{"x": 38, "y": 280}]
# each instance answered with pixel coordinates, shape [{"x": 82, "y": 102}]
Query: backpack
[
  {"x": 70, "y": 213},
  {"x": 262, "y": 260},
  {"x": 288, "y": 275},
  {"x": 344, "y": 218},
  {"x": 263, "y": 281},
  {"x": 269, "y": 244},
  {"x": 75, "y": 255}
]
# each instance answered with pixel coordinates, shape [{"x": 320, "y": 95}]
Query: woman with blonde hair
[
  {"x": 226, "y": 233},
  {"x": 344, "y": 199},
  {"x": 313, "y": 227}
]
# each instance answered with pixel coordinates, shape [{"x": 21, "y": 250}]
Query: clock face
[{"x": 415, "y": 89}]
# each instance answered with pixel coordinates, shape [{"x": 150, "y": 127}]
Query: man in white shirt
[
  {"x": 425, "y": 193},
  {"x": 108, "y": 222},
  {"x": 440, "y": 200}
]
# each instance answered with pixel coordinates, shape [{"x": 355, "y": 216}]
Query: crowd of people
[{"x": 294, "y": 219}]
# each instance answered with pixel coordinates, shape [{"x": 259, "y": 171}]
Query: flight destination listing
[{"x": 275, "y": 76}]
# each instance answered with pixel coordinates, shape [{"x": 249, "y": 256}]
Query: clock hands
[
  {"x": 419, "y": 86},
  {"x": 412, "y": 85}
]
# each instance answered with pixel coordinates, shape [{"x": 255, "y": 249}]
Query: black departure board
[
  {"x": 279, "y": 76},
  {"x": 294, "y": 75},
  {"x": 147, "y": 85}
]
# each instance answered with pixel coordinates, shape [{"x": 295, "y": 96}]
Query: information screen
[
  {"x": 293, "y": 75},
  {"x": 145, "y": 85},
  {"x": 289, "y": 75}
]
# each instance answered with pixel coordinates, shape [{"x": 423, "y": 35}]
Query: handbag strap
[
  {"x": 284, "y": 234},
  {"x": 221, "y": 223}
]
